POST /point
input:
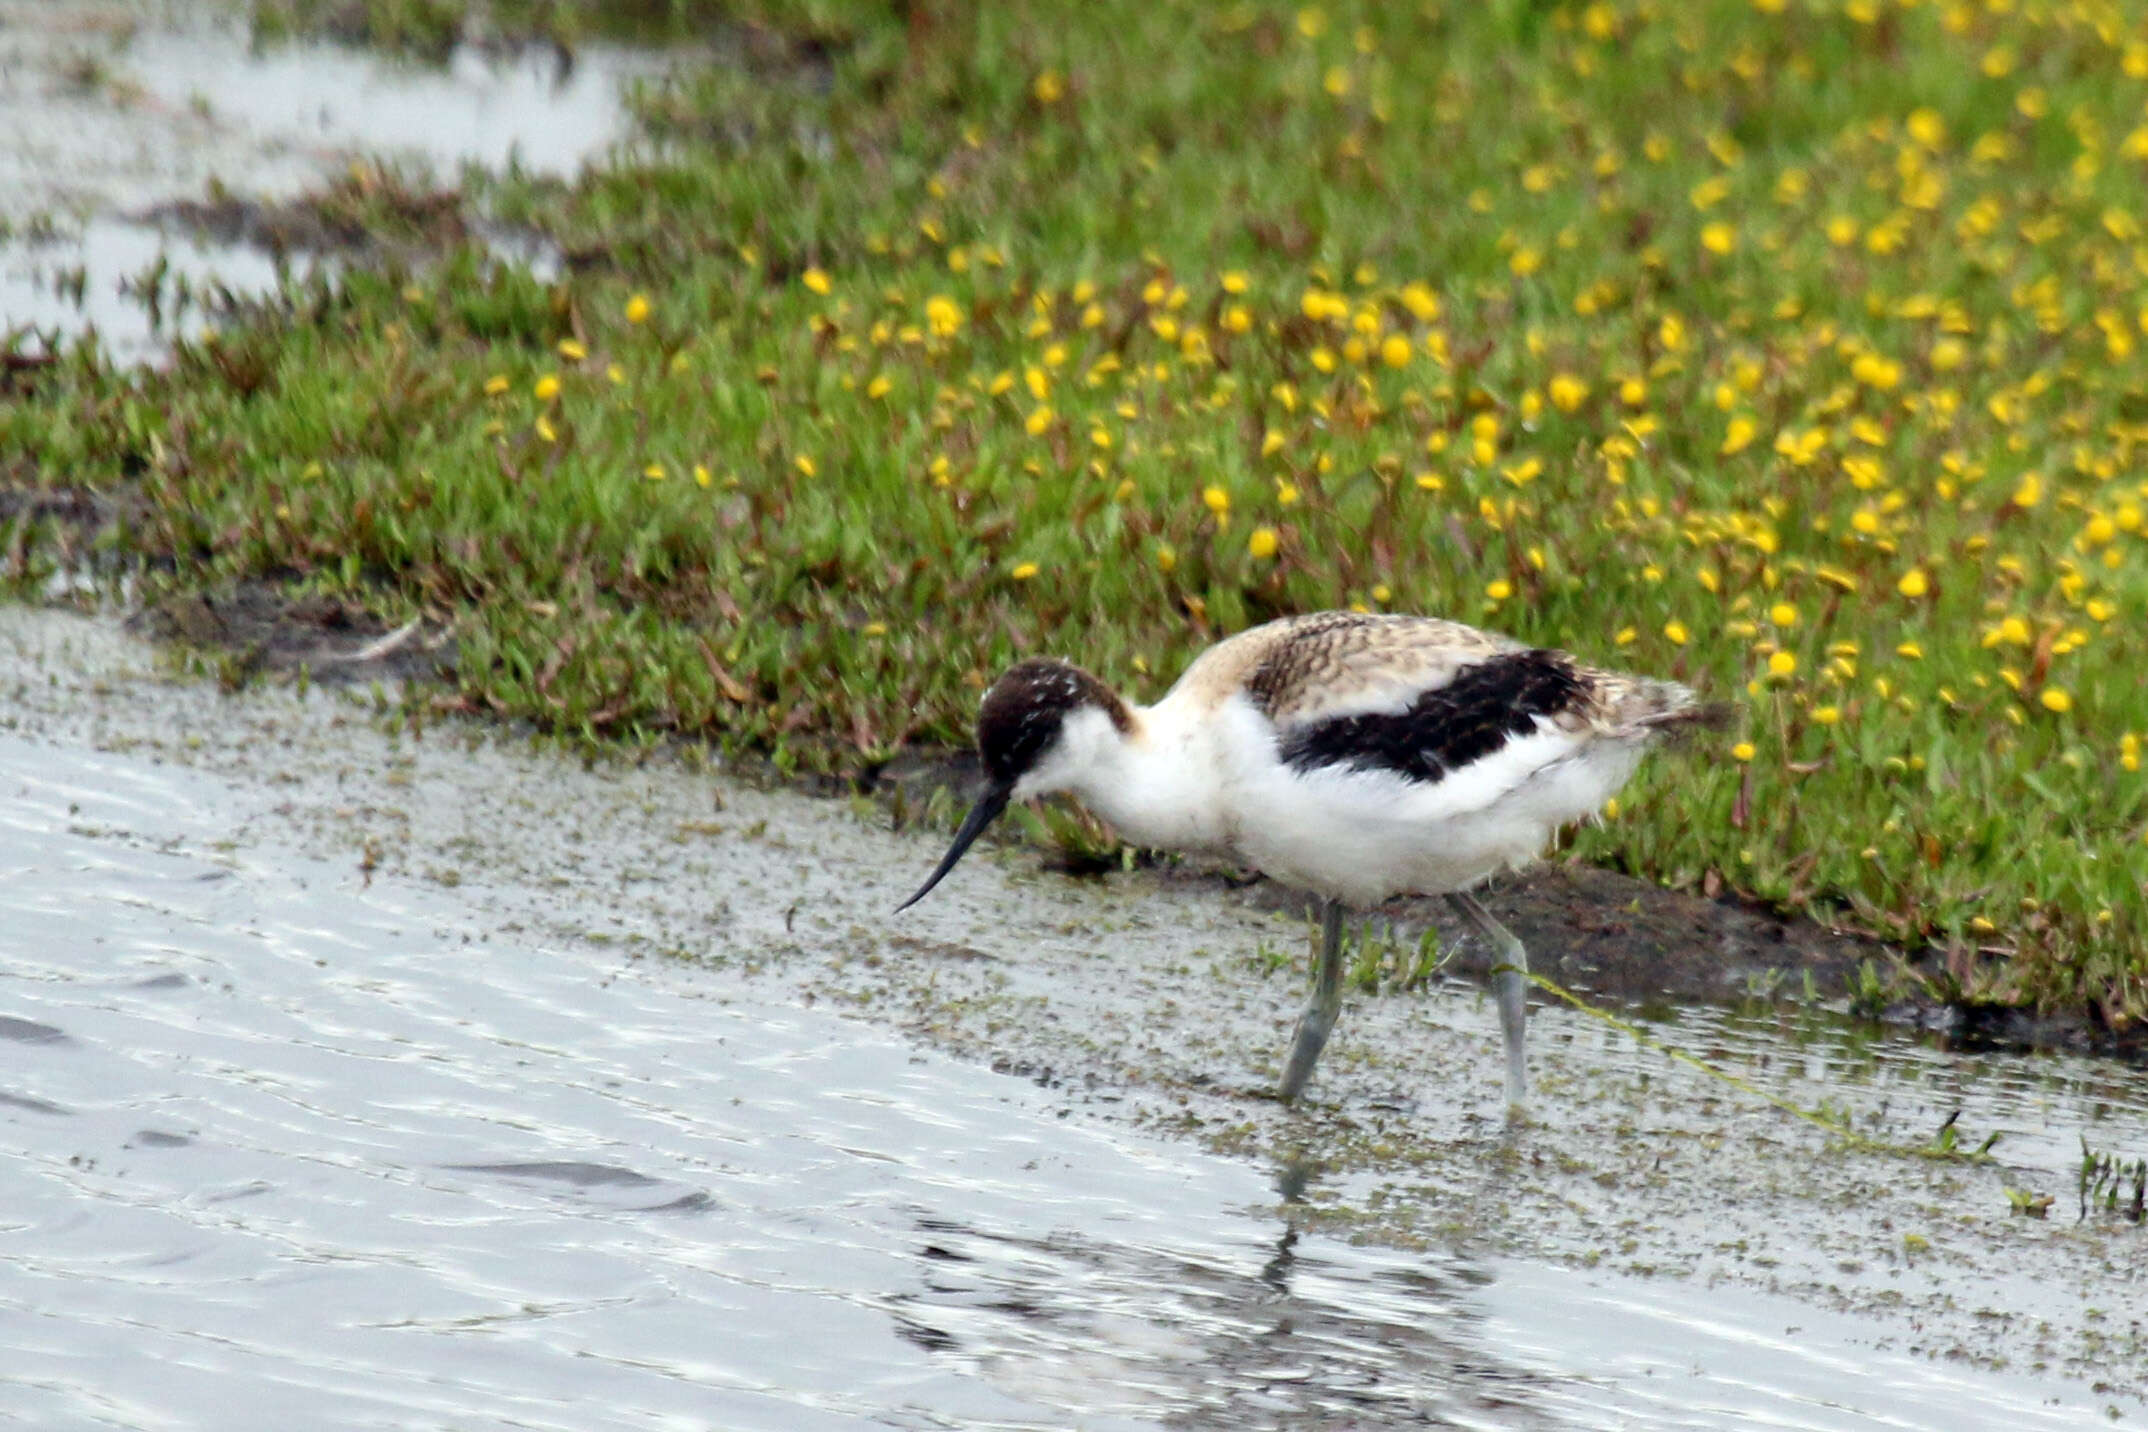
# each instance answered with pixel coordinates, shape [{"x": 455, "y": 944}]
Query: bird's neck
[{"x": 1153, "y": 782}]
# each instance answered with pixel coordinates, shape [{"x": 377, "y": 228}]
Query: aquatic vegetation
[
  {"x": 2112, "y": 1184},
  {"x": 1793, "y": 350}
]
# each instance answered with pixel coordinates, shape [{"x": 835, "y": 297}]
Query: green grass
[{"x": 1794, "y": 351}]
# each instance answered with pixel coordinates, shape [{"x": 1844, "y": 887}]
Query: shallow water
[
  {"x": 94, "y": 280},
  {"x": 528, "y": 108},
  {"x": 114, "y": 108},
  {"x": 296, "y": 1142}
]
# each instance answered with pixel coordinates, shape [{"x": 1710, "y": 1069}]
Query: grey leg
[
  {"x": 1320, "y": 1012},
  {"x": 1510, "y": 969}
]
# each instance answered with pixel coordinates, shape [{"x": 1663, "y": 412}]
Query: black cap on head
[
  {"x": 1023, "y": 712},
  {"x": 1019, "y": 722}
]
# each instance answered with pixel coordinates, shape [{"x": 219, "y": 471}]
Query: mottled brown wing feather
[{"x": 1333, "y": 661}]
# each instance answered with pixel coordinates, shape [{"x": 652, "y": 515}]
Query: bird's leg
[
  {"x": 1510, "y": 981},
  {"x": 1320, "y": 1011}
]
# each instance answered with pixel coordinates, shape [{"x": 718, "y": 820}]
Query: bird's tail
[{"x": 1648, "y": 707}]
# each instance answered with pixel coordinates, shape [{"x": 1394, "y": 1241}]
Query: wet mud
[
  {"x": 1605, "y": 934},
  {"x": 432, "y": 219},
  {"x": 257, "y": 629}
]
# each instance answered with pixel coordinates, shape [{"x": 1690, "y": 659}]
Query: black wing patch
[{"x": 1487, "y": 704}]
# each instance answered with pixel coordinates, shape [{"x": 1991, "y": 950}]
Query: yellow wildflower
[
  {"x": 943, "y": 316},
  {"x": 1802, "y": 449},
  {"x": 1422, "y": 303},
  {"x": 1875, "y": 371}
]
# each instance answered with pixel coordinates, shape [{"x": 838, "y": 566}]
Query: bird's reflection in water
[{"x": 1285, "y": 1327}]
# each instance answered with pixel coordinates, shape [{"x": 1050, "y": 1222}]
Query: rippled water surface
[{"x": 291, "y": 1143}]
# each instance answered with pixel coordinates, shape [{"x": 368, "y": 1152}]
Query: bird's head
[{"x": 1042, "y": 724}]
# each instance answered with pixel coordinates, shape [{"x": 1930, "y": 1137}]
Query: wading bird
[{"x": 1354, "y": 756}]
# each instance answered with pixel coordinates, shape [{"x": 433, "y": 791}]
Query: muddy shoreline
[{"x": 1598, "y": 932}]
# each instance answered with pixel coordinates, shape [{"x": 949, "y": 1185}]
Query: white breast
[{"x": 1164, "y": 787}]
